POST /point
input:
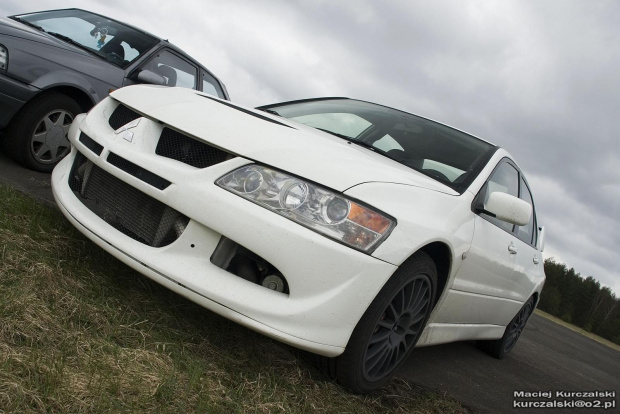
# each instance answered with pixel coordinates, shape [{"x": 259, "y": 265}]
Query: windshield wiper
[
  {"x": 272, "y": 112},
  {"x": 349, "y": 139},
  {"x": 27, "y": 23},
  {"x": 67, "y": 39},
  {"x": 81, "y": 46}
]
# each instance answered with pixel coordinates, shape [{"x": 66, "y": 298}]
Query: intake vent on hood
[
  {"x": 180, "y": 147},
  {"x": 122, "y": 116}
]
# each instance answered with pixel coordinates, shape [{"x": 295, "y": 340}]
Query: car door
[
  {"x": 528, "y": 270},
  {"x": 489, "y": 264}
]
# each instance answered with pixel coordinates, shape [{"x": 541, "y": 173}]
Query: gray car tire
[{"x": 37, "y": 136}]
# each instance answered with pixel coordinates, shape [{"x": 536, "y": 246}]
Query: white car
[{"x": 345, "y": 228}]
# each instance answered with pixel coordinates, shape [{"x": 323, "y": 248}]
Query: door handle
[
  {"x": 512, "y": 248},
  {"x": 536, "y": 260}
]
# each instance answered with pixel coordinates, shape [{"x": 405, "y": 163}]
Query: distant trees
[{"x": 582, "y": 302}]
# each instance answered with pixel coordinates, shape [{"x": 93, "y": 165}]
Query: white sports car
[{"x": 345, "y": 228}]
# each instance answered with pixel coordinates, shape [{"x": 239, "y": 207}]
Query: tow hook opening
[{"x": 247, "y": 265}]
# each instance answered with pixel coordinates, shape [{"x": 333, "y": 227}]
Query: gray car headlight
[
  {"x": 310, "y": 205},
  {"x": 4, "y": 58}
]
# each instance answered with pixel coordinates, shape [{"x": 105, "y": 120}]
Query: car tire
[
  {"x": 389, "y": 329},
  {"x": 37, "y": 136},
  {"x": 500, "y": 347}
]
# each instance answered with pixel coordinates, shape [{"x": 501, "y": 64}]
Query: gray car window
[
  {"x": 176, "y": 71},
  {"x": 211, "y": 86},
  {"x": 117, "y": 43}
]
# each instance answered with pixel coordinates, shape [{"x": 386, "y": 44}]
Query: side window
[
  {"x": 211, "y": 86},
  {"x": 176, "y": 71},
  {"x": 504, "y": 179},
  {"x": 527, "y": 233}
]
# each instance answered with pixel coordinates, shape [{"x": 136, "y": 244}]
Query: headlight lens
[
  {"x": 310, "y": 205},
  {"x": 4, "y": 58}
]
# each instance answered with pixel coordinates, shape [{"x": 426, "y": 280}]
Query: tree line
[{"x": 580, "y": 301}]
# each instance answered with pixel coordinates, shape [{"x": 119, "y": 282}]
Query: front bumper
[{"x": 330, "y": 285}]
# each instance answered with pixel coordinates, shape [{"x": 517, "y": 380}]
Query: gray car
[{"x": 59, "y": 63}]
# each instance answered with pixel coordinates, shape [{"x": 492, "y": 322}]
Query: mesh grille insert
[
  {"x": 122, "y": 116},
  {"x": 137, "y": 171},
  {"x": 128, "y": 210},
  {"x": 180, "y": 147},
  {"x": 90, "y": 143}
]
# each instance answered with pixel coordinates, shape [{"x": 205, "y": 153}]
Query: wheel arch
[
  {"x": 441, "y": 254},
  {"x": 83, "y": 99}
]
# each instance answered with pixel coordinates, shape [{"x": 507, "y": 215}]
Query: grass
[
  {"x": 578, "y": 329},
  {"x": 80, "y": 332}
]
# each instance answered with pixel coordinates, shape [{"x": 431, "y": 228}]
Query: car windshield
[
  {"x": 113, "y": 41},
  {"x": 443, "y": 153}
]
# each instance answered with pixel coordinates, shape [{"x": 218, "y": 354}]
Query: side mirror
[
  {"x": 541, "y": 238},
  {"x": 509, "y": 208},
  {"x": 147, "y": 76}
]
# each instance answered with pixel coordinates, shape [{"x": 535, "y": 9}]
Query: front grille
[
  {"x": 180, "y": 147},
  {"x": 128, "y": 210},
  {"x": 122, "y": 115},
  {"x": 138, "y": 172},
  {"x": 90, "y": 143}
]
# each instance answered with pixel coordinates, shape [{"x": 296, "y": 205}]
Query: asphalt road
[
  {"x": 29, "y": 182},
  {"x": 547, "y": 358}
]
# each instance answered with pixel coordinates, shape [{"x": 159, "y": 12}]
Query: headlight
[
  {"x": 317, "y": 208},
  {"x": 4, "y": 58}
]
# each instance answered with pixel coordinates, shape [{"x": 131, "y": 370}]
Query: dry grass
[
  {"x": 81, "y": 333},
  {"x": 578, "y": 329}
]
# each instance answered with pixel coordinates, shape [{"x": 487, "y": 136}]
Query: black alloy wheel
[
  {"x": 500, "y": 347},
  {"x": 389, "y": 329},
  {"x": 398, "y": 328},
  {"x": 514, "y": 330}
]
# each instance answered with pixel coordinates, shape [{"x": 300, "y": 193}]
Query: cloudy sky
[{"x": 539, "y": 78}]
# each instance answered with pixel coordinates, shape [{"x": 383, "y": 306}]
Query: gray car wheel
[{"x": 37, "y": 137}]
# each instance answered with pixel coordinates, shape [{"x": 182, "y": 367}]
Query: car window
[
  {"x": 505, "y": 179},
  {"x": 527, "y": 233},
  {"x": 211, "y": 86},
  {"x": 387, "y": 143},
  {"x": 176, "y": 71},
  {"x": 346, "y": 124},
  {"x": 117, "y": 43},
  {"x": 447, "y": 155}
]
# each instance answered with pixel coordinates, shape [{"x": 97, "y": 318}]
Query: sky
[{"x": 538, "y": 78}]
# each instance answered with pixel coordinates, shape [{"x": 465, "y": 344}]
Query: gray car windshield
[
  {"x": 115, "y": 42},
  {"x": 436, "y": 150}
]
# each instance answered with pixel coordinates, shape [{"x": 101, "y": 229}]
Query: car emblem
[{"x": 125, "y": 130}]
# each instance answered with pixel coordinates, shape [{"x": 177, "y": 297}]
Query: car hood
[{"x": 271, "y": 140}]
